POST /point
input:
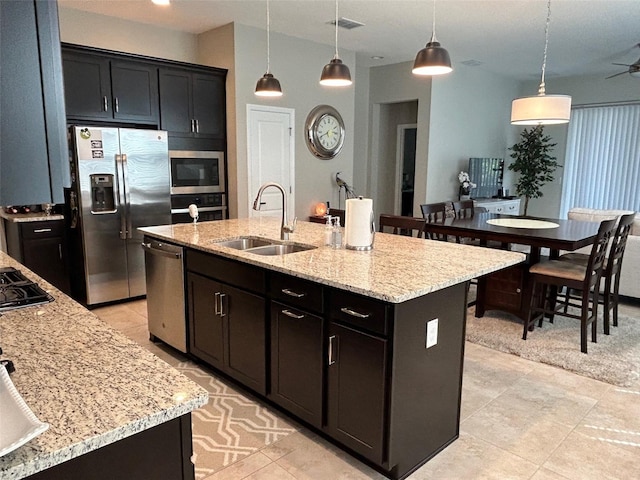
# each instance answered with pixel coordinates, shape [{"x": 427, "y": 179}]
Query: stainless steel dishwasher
[{"x": 165, "y": 292}]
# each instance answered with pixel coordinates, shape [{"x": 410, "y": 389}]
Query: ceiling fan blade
[
  {"x": 617, "y": 74},
  {"x": 622, "y": 64}
]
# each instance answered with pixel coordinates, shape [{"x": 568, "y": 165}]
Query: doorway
[
  {"x": 270, "y": 157},
  {"x": 405, "y": 168}
]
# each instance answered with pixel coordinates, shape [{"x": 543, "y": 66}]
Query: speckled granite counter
[
  {"x": 92, "y": 384},
  {"x": 29, "y": 217},
  {"x": 396, "y": 270}
]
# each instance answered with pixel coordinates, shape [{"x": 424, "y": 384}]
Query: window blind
[{"x": 602, "y": 161}]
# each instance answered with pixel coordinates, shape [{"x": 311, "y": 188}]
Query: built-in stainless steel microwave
[{"x": 197, "y": 172}]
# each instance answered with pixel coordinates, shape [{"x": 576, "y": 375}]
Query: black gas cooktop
[{"x": 18, "y": 291}]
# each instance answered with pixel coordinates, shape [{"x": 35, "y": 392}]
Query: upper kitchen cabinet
[
  {"x": 193, "y": 103},
  {"x": 33, "y": 146},
  {"x": 103, "y": 88}
]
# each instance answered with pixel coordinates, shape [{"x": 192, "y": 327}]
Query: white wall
[
  {"x": 584, "y": 90},
  {"x": 100, "y": 31},
  {"x": 297, "y": 64}
]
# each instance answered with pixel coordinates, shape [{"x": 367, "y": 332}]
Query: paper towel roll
[{"x": 359, "y": 229}]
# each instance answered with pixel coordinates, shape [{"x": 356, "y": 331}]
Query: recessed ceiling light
[
  {"x": 376, "y": 57},
  {"x": 161, "y": 2},
  {"x": 472, "y": 63},
  {"x": 347, "y": 23}
]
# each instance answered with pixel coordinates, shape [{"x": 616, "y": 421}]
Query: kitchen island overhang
[{"x": 383, "y": 331}]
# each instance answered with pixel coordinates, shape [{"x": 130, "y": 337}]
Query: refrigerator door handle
[
  {"x": 127, "y": 195},
  {"x": 121, "y": 200}
]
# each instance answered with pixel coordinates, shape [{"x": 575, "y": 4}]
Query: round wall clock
[{"x": 324, "y": 132}]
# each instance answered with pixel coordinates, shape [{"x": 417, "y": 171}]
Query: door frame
[
  {"x": 253, "y": 108},
  {"x": 401, "y": 132}
]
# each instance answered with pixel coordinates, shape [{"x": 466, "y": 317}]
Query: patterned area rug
[
  {"x": 231, "y": 426},
  {"x": 615, "y": 359}
]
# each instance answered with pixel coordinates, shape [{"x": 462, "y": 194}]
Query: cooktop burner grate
[{"x": 18, "y": 291}]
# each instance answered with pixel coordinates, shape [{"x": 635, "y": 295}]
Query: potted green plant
[{"x": 534, "y": 163}]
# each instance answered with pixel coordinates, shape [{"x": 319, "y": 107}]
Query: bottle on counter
[
  {"x": 328, "y": 231},
  {"x": 336, "y": 238}
]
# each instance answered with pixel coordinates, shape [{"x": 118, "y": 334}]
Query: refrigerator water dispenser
[{"x": 102, "y": 193}]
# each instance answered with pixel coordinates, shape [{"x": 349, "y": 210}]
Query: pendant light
[
  {"x": 542, "y": 109},
  {"x": 432, "y": 59},
  {"x": 335, "y": 73},
  {"x": 268, "y": 85}
]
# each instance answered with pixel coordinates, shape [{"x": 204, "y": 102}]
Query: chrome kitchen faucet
[{"x": 285, "y": 228}]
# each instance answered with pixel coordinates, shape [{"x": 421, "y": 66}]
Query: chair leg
[
  {"x": 584, "y": 317},
  {"x": 528, "y": 322},
  {"x": 544, "y": 301}
]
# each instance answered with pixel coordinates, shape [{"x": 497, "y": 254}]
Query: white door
[{"x": 270, "y": 157}]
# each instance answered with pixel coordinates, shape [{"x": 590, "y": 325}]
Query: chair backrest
[
  {"x": 433, "y": 212},
  {"x": 463, "y": 209},
  {"x": 595, "y": 266},
  {"x": 402, "y": 225},
  {"x": 618, "y": 244}
]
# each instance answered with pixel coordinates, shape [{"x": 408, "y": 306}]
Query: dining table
[{"x": 510, "y": 289}]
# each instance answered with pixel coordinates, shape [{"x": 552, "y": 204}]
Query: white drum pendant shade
[{"x": 541, "y": 110}]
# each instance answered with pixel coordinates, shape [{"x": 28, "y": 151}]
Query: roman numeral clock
[{"x": 324, "y": 132}]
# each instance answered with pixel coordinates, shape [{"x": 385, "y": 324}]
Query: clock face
[{"x": 325, "y": 132}]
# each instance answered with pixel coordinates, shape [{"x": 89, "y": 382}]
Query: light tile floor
[{"x": 520, "y": 420}]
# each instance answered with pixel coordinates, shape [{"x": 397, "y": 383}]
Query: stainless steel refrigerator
[{"x": 120, "y": 181}]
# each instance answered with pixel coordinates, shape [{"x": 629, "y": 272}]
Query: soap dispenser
[
  {"x": 328, "y": 231},
  {"x": 336, "y": 238}
]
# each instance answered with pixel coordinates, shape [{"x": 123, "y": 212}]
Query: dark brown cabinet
[
  {"x": 192, "y": 104},
  {"x": 40, "y": 246},
  {"x": 227, "y": 324},
  {"x": 98, "y": 87}
]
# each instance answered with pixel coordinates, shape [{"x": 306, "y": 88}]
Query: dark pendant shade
[
  {"x": 432, "y": 60},
  {"x": 335, "y": 74},
  {"x": 268, "y": 86}
]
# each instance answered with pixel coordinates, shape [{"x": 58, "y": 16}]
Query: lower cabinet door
[
  {"x": 244, "y": 318},
  {"x": 296, "y": 362},
  {"x": 206, "y": 337},
  {"x": 357, "y": 373}
]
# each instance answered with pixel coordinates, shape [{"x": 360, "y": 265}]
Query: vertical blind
[{"x": 602, "y": 161}]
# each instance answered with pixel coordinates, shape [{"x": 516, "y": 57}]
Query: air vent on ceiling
[
  {"x": 347, "y": 23},
  {"x": 472, "y": 63}
]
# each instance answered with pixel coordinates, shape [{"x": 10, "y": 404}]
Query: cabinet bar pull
[
  {"x": 193, "y": 126},
  {"x": 331, "y": 359},
  {"x": 105, "y": 103},
  {"x": 222, "y": 297},
  {"x": 216, "y": 300},
  {"x": 289, "y": 313},
  {"x": 353, "y": 313},
  {"x": 60, "y": 250},
  {"x": 291, "y": 293},
  {"x": 116, "y": 104},
  {"x": 197, "y": 126},
  {"x": 41, "y": 230}
]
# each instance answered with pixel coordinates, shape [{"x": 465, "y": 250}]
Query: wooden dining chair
[
  {"x": 434, "y": 213},
  {"x": 548, "y": 276},
  {"x": 611, "y": 272},
  {"x": 463, "y": 209},
  {"x": 401, "y": 225}
]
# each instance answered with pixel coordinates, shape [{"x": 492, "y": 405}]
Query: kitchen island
[
  {"x": 114, "y": 409},
  {"x": 366, "y": 348}
]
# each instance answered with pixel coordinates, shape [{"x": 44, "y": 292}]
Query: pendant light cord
[
  {"x": 268, "y": 40},
  {"x": 541, "y": 89},
  {"x": 336, "y": 29}
]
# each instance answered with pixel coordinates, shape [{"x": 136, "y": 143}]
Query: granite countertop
[
  {"x": 396, "y": 270},
  {"x": 29, "y": 217},
  {"x": 92, "y": 384}
]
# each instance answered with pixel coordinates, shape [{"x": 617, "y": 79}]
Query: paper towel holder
[{"x": 364, "y": 248}]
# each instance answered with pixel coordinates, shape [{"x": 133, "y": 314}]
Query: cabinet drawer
[
  {"x": 46, "y": 228},
  {"x": 297, "y": 292},
  {"x": 358, "y": 311},
  {"x": 227, "y": 271}
]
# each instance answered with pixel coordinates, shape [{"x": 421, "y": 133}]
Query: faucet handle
[{"x": 291, "y": 228}]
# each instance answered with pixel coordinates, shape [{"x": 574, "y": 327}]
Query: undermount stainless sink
[
  {"x": 244, "y": 243},
  {"x": 262, "y": 246},
  {"x": 279, "y": 249}
]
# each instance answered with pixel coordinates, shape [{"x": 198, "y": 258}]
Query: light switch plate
[{"x": 432, "y": 333}]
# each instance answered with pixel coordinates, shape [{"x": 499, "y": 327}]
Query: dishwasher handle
[{"x": 164, "y": 253}]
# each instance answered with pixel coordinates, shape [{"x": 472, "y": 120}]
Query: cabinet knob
[{"x": 518, "y": 290}]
